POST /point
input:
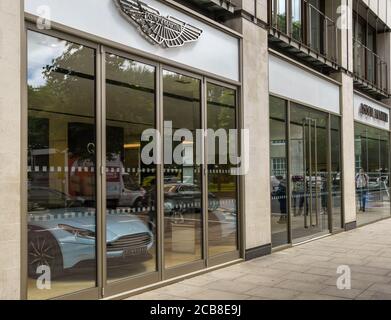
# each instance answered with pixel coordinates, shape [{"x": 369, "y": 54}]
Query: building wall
[
  {"x": 348, "y": 160},
  {"x": 256, "y": 120},
  {"x": 10, "y": 152},
  {"x": 382, "y": 8}
]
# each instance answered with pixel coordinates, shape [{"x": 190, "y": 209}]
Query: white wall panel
[
  {"x": 293, "y": 82},
  {"x": 215, "y": 52}
]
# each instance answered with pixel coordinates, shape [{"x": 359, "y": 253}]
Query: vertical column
[
  {"x": 10, "y": 151},
  {"x": 348, "y": 151},
  {"x": 344, "y": 20},
  {"x": 256, "y": 120}
]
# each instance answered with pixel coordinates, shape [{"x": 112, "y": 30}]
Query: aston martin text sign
[{"x": 368, "y": 111}]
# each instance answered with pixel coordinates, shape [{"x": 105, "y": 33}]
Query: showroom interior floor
[{"x": 308, "y": 271}]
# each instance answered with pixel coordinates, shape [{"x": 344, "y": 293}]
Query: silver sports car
[{"x": 63, "y": 237}]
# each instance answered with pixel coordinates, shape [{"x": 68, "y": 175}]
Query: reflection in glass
[
  {"x": 278, "y": 175},
  {"x": 182, "y": 179},
  {"x": 222, "y": 186},
  {"x": 309, "y": 172},
  {"x": 372, "y": 174},
  {"x": 316, "y": 23},
  {"x": 296, "y": 20},
  {"x": 130, "y": 184},
  {"x": 336, "y": 176},
  {"x": 279, "y": 15},
  {"x": 61, "y": 166}
]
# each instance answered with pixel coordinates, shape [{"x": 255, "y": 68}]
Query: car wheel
[{"x": 43, "y": 250}]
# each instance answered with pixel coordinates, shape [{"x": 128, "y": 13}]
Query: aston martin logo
[{"x": 167, "y": 32}]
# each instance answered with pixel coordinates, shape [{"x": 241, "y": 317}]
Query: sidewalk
[{"x": 305, "y": 272}]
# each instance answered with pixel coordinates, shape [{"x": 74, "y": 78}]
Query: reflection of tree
[
  {"x": 130, "y": 92},
  {"x": 221, "y": 115},
  {"x": 68, "y": 84},
  {"x": 296, "y": 30},
  {"x": 221, "y": 102},
  {"x": 68, "y": 94},
  {"x": 280, "y": 22},
  {"x": 68, "y": 90}
]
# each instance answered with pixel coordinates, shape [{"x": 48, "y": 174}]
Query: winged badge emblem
[{"x": 168, "y": 32}]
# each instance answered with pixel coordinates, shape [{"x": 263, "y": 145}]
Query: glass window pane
[
  {"x": 130, "y": 182},
  {"x": 296, "y": 20},
  {"x": 372, "y": 173},
  {"x": 309, "y": 172},
  {"x": 278, "y": 159},
  {"x": 182, "y": 175},
  {"x": 222, "y": 186},
  {"x": 336, "y": 177},
  {"x": 279, "y": 15},
  {"x": 61, "y": 166}
]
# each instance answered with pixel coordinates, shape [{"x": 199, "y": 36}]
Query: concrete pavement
[{"x": 305, "y": 272}]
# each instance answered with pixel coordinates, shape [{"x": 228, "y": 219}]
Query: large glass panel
[
  {"x": 182, "y": 174},
  {"x": 130, "y": 183},
  {"x": 309, "y": 173},
  {"x": 316, "y": 24},
  {"x": 336, "y": 176},
  {"x": 278, "y": 175},
  {"x": 372, "y": 173},
  {"x": 222, "y": 186},
  {"x": 61, "y": 167},
  {"x": 371, "y": 58},
  {"x": 296, "y": 20},
  {"x": 279, "y": 15},
  {"x": 360, "y": 39}
]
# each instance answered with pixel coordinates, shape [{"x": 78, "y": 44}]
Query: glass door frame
[
  {"x": 137, "y": 281},
  {"x": 103, "y": 289},
  {"x": 212, "y": 261},
  {"x": 93, "y": 292},
  {"x": 332, "y": 229},
  {"x": 162, "y": 273}
]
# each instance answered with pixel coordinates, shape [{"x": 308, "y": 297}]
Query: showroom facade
[
  {"x": 81, "y": 204},
  {"x": 85, "y": 155}
]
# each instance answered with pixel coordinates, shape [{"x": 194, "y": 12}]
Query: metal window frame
[
  {"x": 288, "y": 107},
  {"x": 104, "y": 289}
]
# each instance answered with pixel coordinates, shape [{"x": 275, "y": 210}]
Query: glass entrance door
[{"x": 309, "y": 178}]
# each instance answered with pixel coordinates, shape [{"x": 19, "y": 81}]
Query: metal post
[
  {"x": 310, "y": 171},
  {"x": 326, "y": 38},
  {"x": 330, "y": 209},
  {"x": 304, "y": 173},
  {"x": 316, "y": 173},
  {"x": 309, "y": 26}
]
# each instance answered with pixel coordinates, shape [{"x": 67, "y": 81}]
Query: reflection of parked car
[
  {"x": 46, "y": 198},
  {"x": 378, "y": 182},
  {"x": 182, "y": 197},
  {"x": 61, "y": 233}
]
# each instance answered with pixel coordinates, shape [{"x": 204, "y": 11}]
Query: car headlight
[{"x": 78, "y": 232}]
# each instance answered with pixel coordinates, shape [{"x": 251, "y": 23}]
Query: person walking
[{"x": 362, "y": 182}]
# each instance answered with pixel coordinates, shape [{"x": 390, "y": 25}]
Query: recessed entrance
[
  {"x": 305, "y": 172},
  {"x": 308, "y": 149}
]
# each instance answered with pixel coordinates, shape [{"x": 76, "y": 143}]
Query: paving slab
[{"x": 304, "y": 272}]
